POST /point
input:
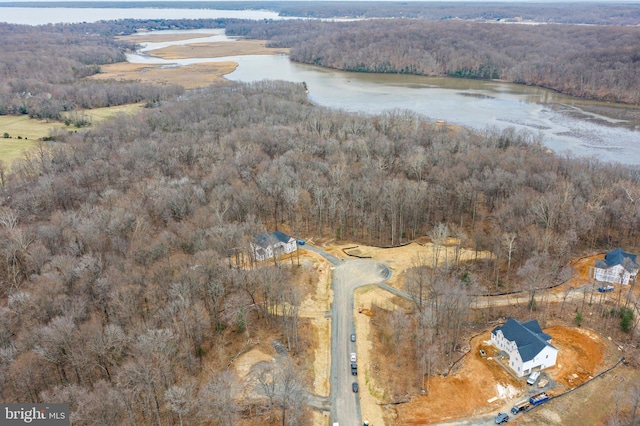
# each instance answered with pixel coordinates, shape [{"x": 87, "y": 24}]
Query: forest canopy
[{"x": 100, "y": 234}]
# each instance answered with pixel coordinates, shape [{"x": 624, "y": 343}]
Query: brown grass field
[
  {"x": 30, "y": 130},
  {"x": 189, "y": 77}
]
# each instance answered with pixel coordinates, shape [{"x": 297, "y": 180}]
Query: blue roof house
[
  {"x": 528, "y": 347},
  {"x": 276, "y": 243},
  {"x": 618, "y": 267}
]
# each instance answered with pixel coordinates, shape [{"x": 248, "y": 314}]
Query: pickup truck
[
  {"x": 520, "y": 406},
  {"x": 539, "y": 398},
  {"x": 502, "y": 418}
]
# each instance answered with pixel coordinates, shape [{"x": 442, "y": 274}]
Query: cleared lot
[{"x": 480, "y": 379}]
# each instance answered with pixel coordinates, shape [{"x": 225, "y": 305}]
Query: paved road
[
  {"x": 351, "y": 274},
  {"x": 346, "y": 277}
]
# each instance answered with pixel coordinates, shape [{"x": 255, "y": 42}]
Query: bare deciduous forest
[
  {"x": 41, "y": 71},
  {"x": 116, "y": 243}
]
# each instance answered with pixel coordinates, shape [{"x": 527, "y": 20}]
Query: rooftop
[{"x": 528, "y": 336}]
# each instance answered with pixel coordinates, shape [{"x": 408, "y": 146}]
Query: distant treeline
[
  {"x": 597, "y": 62},
  {"x": 42, "y": 70},
  {"x": 568, "y": 12}
]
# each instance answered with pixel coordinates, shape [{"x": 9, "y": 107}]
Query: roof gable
[
  {"x": 266, "y": 240},
  {"x": 528, "y": 337},
  {"x": 617, "y": 257}
]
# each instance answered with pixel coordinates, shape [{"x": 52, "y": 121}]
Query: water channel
[
  {"x": 561, "y": 121},
  {"x": 564, "y": 126}
]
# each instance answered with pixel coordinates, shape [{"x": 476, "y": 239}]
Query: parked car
[
  {"x": 606, "y": 289},
  {"x": 354, "y": 387},
  {"x": 354, "y": 369},
  {"x": 533, "y": 377},
  {"x": 502, "y": 418},
  {"x": 301, "y": 242},
  {"x": 482, "y": 353},
  {"x": 353, "y": 357},
  {"x": 353, "y": 337}
]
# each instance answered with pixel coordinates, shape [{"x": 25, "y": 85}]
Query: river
[
  {"x": 562, "y": 122},
  {"x": 69, "y": 15}
]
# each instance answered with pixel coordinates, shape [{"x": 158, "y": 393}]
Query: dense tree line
[
  {"x": 116, "y": 245},
  {"x": 41, "y": 71},
  {"x": 599, "y": 62},
  {"x": 558, "y": 12},
  {"x": 568, "y": 13}
]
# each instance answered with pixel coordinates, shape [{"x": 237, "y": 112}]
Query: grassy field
[{"x": 24, "y": 131}]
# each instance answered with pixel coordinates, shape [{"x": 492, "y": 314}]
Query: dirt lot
[
  {"x": 478, "y": 380},
  {"x": 402, "y": 258},
  {"x": 593, "y": 404}
]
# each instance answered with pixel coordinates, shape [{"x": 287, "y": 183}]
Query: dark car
[
  {"x": 354, "y": 387},
  {"x": 354, "y": 369},
  {"x": 353, "y": 337},
  {"x": 502, "y": 418}
]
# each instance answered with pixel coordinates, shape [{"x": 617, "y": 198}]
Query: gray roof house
[
  {"x": 526, "y": 344},
  {"x": 268, "y": 245},
  {"x": 618, "y": 267}
]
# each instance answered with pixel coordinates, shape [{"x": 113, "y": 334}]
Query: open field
[
  {"x": 11, "y": 149},
  {"x": 189, "y": 77},
  {"x": 100, "y": 114},
  {"x": 217, "y": 50},
  {"x": 30, "y": 130},
  {"x": 25, "y": 127}
]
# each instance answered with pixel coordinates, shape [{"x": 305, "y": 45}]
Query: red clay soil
[
  {"x": 580, "y": 356},
  {"x": 474, "y": 382}
]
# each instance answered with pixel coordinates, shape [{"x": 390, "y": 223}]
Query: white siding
[
  {"x": 544, "y": 359},
  {"x": 278, "y": 247}
]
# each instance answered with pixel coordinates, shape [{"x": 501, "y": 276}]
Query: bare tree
[
  {"x": 219, "y": 399},
  {"x": 439, "y": 235},
  {"x": 535, "y": 274},
  {"x": 416, "y": 281},
  {"x": 509, "y": 242},
  {"x": 399, "y": 323},
  {"x": 179, "y": 400}
]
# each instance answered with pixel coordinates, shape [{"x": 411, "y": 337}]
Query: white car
[
  {"x": 353, "y": 357},
  {"x": 533, "y": 377}
]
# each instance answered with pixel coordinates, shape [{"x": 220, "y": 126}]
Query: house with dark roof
[
  {"x": 618, "y": 267},
  {"x": 273, "y": 244},
  {"x": 527, "y": 346}
]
